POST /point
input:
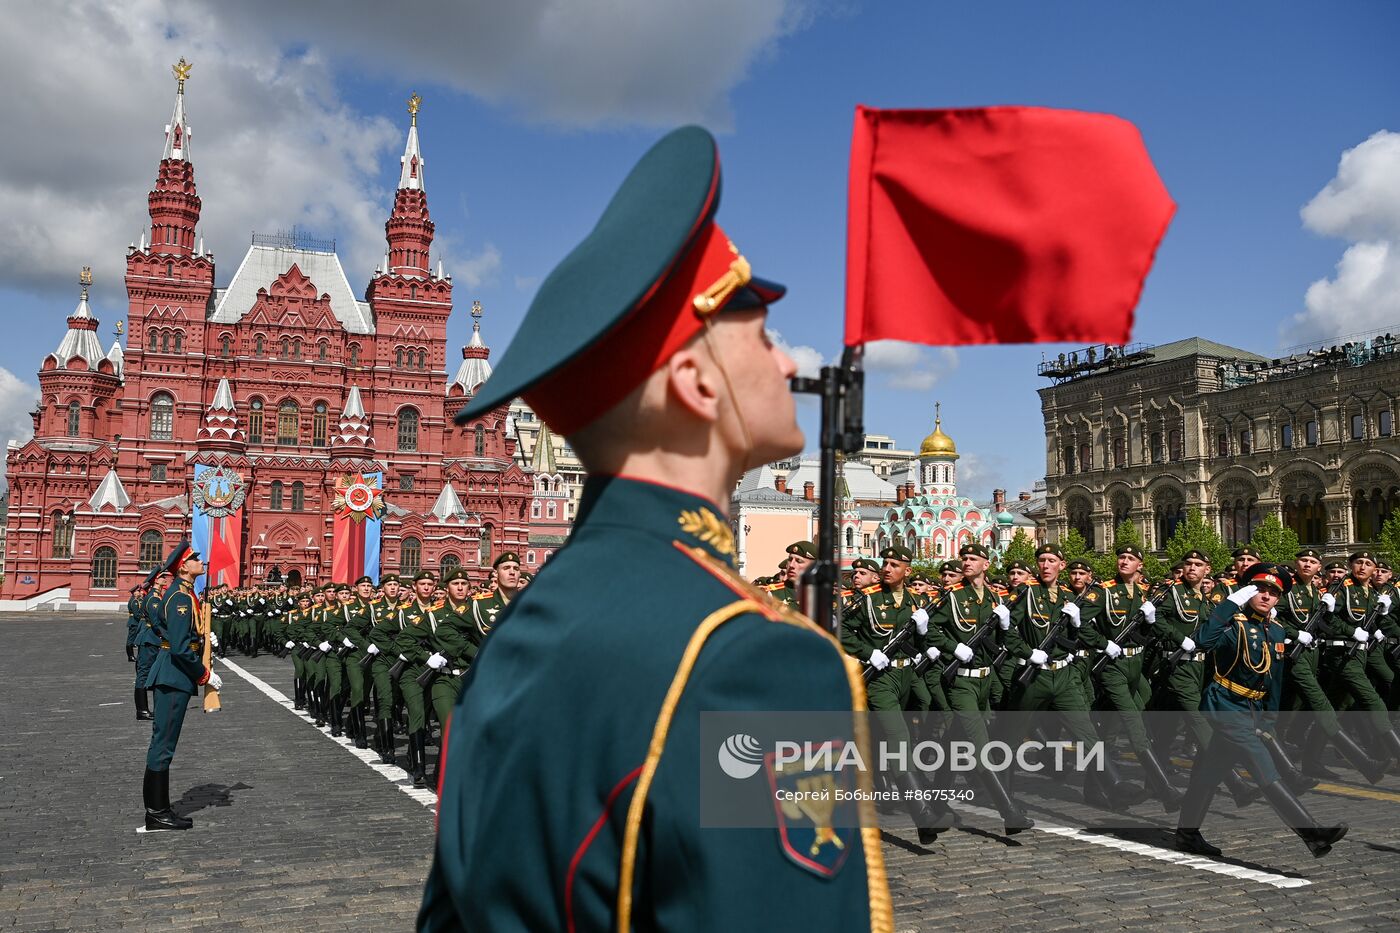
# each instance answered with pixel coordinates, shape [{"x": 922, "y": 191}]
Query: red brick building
[{"x": 287, "y": 378}]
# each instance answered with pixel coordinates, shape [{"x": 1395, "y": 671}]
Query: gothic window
[
  {"x": 323, "y": 351},
  {"x": 1086, "y": 457},
  {"x": 1156, "y": 446},
  {"x": 162, "y": 416},
  {"x": 408, "y": 429},
  {"x": 276, "y": 498},
  {"x": 157, "y": 472},
  {"x": 479, "y": 440},
  {"x": 1310, "y": 433},
  {"x": 170, "y": 266},
  {"x": 1222, "y": 444},
  {"x": 423, "y": 359},
  {"x": 354, "y": 354},
  {"x": 398, "y": 356},
  {"x": 288, "y": 423},
  {"x": 286, "y": 348},
  {"x": 1246, "y": 441},
  {"x": 1078, "y": 511},
  {"x": 551, "y": 510},
  {"x": 179, "y": 341},
  {"x": 319, "y": 424},
  {"x": 165, "y": 341},
  {"x": 1384, "y": 424},
  {"x": 1168, "y": 511},
  {"x": 62, "y": 535},
  {"x": 1177, "y": 449},
  {"x": 255, "y": 420},
  {"x": 258, "y": 345},
  {"x": 75, "y": 414},
  {"x": 1120, "y": 452},
  {"x": 225, "y": 345},
  {"x": 1068, "y": 455},
  {"x": 483, "y": 548},
  {"x": 104, "y": 568},
  {"x": 151, "y": 551},
  {"x": 412, "y": 292},
  {"x": 296, "y": 349},
  {"x": 410, "y": 556},
  {"x": 155, "y": 338},
  {"x": 1286, "y": 436},
  {"x": 298, "y": 496},
  {"x": 1358, "y": 426}
]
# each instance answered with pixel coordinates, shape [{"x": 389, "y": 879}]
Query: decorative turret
[
  {"x": 80, "y": 342},
  {"x": 409, "y": 228},
  {"x": 448, "y": 505},
  {"x": 220, "y": 428},
  {"x": 474, "y": 369},
  {"x": 938, "y": 457},
  {"x": 110, "y": 494},
  {"x": 174, "y": 203},
  {"x": 352, "y": 435},
  {"x": 542, "y": 457}
]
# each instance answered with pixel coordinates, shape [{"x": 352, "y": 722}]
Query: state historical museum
[{"x": 300, "y": 431}]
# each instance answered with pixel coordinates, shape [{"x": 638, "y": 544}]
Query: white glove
[
  {"x": 1071, "y": 610},
  {"x": 917, "y": 658},
  {"x": 216, "y": 681},
  {"x": 436, "y": 661},
  {"x": 1304, "y": 638},
  {"x": 1243, "y": 595},
  {"x": 878, "y": 660},
  {"x": 347, "y": 643},
  {"x": 1039, "y": 657},
  {"x": 1003, "y": 616},
  {"x": 921, "y": 621},
  {"x": 1377, "y": 638},
  {"x": 1188, "y": 646},
  {"x": 963, "y": 653},
  {"x": 324, "y": 646},
  {"x": 1273, "y": 613},
  {"x": 213, "y": 640},
  {"x": 373, "y": 649},
  {"x": 1361, "y": 635},
  {"x": 1384, "y": 600},
  {"x": 1149, "y": 613},
  {"x": 1112, "y": 649},
  {"x": 1329, "y": 601},
  {"x": 305, "y": 645},
  {"x": 402, "y": 658},
  {"x": 290, "y": 644},
  {"x": 932, "y": 653}
]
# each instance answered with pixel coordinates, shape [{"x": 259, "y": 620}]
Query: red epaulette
[
  {"x": 770, "y": 587},
  {"x": 871, "y": 590},
  {"x": 482, "y": 595},
  {"x": 847, "y": 594}
]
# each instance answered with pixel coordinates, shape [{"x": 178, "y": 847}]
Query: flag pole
[{"x": 842, "y": 392}]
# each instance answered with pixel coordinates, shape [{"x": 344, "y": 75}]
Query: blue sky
[{"x": 1246, "y": 108}]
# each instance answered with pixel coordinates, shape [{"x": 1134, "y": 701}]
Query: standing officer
[
  {"x": 133, "y": 620},
  {"x": 1246, "y": 650},
  {"x": 646, "y": 349},
  {"x": 177, "y": 673},
  {"x": 149, "y": 636}
]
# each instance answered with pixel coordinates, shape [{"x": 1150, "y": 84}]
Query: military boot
[
  {"x": 143, "y": 709},
  {"x": 1193, "y": 813},
  {"x": 1319, "y": 839},
  {"x": 1157, "y": 782},
  {"x": 1371, "y": 769},
  {"x": 156, "y": 793}
]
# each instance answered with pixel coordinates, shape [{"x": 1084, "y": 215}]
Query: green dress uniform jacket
[
  {"x": 180, "y": 663},
  {"x": 590, "y": 794},
  {"x": 958, "y": 616}
]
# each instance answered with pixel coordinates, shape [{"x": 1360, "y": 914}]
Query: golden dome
[{"x": 938, "y": 444}]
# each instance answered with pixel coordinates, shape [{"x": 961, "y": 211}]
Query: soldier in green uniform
[
  {"x": 1378, "y": 666},
  {"x": 133, "y": 621},
  {"x": 801, "y": 554},
  {"x": 411, "y": 647},
  {"x": 967, "y": 624},
  {"x": 1246, "y": 647},
  {"x": 356, "y": 659},
  {"x": 1344, "y": 640},
  {"x": 602, "y": 799},
  {"x": 385, "y": 615},
  {"x": 1018, "y": 574},
  {"x": 295, "y": 633},
  {"x": 149, "y": 636},
  {"x": 177, "y": 673},
  {"x": 454, "y": 644},
  {"x": 486, "y": 607}
]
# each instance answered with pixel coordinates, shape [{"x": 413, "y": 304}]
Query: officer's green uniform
[
  {"x": 1301, "y": 687},
  {"x": 1106, "y": 611},
  {"x": 133, "y": 624},
  {"x": 599, "y": 802},
  {"x": 147, "y": 642}
]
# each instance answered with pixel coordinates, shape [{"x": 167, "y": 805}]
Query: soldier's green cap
[
  {"x": 1132, "y": 550},
  {"x": 389, "y": 578},
  {"x": 803, "y": 549},
  {"x": 345, "y": 588},
  {"x": 330, "y": 588},
  {"x": 634, "y": 291},
  {"x": 455, "y": 573},
  {"x": 425, "y": 575},
  {"x": 897, "y": 552},
  {"x": 974, "y": 550},
  {"x": 1078, "y": 565},
  {"x": 952, "y": 566},
  {"x": 1053, "y": 549},
  {"x": 1014, "y": 565},
  {"x": 1239, "y": 552},
  {"x": 506, "y": 557},
  {"x": 526, "y": 576},
  {"x": 304, "y": 597},
  {"x": 1308, "y": 552},
  {"x": 1194, "y": 555},
  {"x": 183, "y": 551},
  {"x": 782, "y": 564},
  {"x": 1362, "y": 555},
  {"x": 364, "y": 579},
  {"x": 919, "y": 576},
  {"x": 865, "y": 563},
  {"x": 1335, "y": 565}
]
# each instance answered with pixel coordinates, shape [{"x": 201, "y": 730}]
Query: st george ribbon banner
[
  {"x": 216, "y": 498},
  {"x": 359, "y": 512}
]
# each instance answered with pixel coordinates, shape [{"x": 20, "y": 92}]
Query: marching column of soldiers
[{"x": 1225, "y": 653}]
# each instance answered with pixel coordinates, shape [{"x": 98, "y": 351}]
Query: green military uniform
[
  {"x": 385, "y": 613},
  {"x": 782, "y": 591},
  {"x": 133, "y": 623},
  {"x": 296, "y": 642},
  {"x": 148, "y": 640},
  {"x": 1343, "y": 662},
  {"x": 1177, "y": 688},
  {"x": 418, "y": 623}
]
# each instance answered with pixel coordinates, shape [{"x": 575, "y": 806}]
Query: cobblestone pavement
[{"x": 292, "y": 832}]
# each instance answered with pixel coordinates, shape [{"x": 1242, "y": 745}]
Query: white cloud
[
  {"x": 909, "y": 366},
  {"x": 1361, "y": 204},
  {"x": 17, "y": 399},
  {"x": 809, "y": 360}
]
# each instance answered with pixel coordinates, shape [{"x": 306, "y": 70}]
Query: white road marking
[
  {"x": 391, "y": 773},
  {"x": 1155, "y": 852},
  {"x": 118, "y": 703}
]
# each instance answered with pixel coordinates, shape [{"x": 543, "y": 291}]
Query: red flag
[{"x": 998, "y": 225}]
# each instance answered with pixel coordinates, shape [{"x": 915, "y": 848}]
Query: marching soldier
[
  {"x": 864, "y": 573},
  {"x": 355, "y": 638},
  {"x": 486, "y": 607},
  {"x": 801, "y": 554},
  {"x": 1246, "y": 649},
  {"x": 454, "y": 646},
  {"x": 1378, "y": 666},
  {"x": 385, "y": 613},
  {"x": 1347, "y": 629},
  {"x": 295, "y": 633},
  {"x": 1018, "y": 574},
  {"x": 177, "y": 673},
  {"x": 692, "y": 395},
  {"x": 416, "y": 625},
  {"x": 149, "y": 636}
]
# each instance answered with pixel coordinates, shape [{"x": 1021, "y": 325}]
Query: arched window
[
  {"x": 155, "y": 340},
  {"x": 408, "y": 429},
  {"x": 1086, "y": 457},
  {"x": 1120, "y": 452},
  {"x": 165, "y": 341},
  {"x": 255, "y": 421},
  {"x": 323, "y": 351},
  {"x": 319, "y": 421},
  {"x": 75, "y": 416},
  {"x": 1375, "y": 495},
  {"x": 179, "y": 341},
  {"x": 1176, "y": 450},
  {"x": 151, "y": 551},
  {"x": 296, "y": 349},
  {"x": 288, "y": 423},
  {"x": 276, "y": 503},
  {"x": 1122, "y": 508},
  {"x": 298, "y": 497},
  {"x": 483, "y": 548},
  {"x": 449, "y": 561},
  {"x": 479, "y": 440},
  {"x": 850, "y": 535},
  {"x": 552, "y": 510},
  {"x": 1067, "y": 459},
  {"x": 354, "y": 354},
  {"x": 530, "y": 558},
  {"x": 535, "y": 509},
  {"x": 1310, "y": 433},
  {"x": 225, "y": 345},
  {"x": 1168, "y": 511},
  {"x": 423, "y": 359},
  {"x": 104, "y": 568},
  {"x": 1156, "y": 447},
  {"x": 1358, "y": 426},
  {"x": 412, "y": 292},
  {"x": 410, "y": 556},
  {"x": 1080, "y": 519},
  {"x": 286, "y": 348},
  {"x": 258, "y": 345},
  {"x": 1246, "y": 441},
  {"x": 1385, "y": 424},
  {"x": 398, "y": 356},
  {"x": 162, "y": 416},
  {"x": 1286, "y": 437},
  {"x": 62, "y": 535}
]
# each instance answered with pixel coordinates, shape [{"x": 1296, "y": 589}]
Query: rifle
[
  {"x": 950, "y": 670},
  {"x": 1315, "y": 618},
  {"x": 1156, "y": 598},
  {"x": 202, "y": 626},
  {"x": 1033, "y": 670},
  {"x": 897, "y": 639},
  {"x": 1369, "y": 623},
  {"x": 425, "y": 679}
]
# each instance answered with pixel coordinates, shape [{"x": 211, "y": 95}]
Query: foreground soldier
[{"x": 600, "y": 800}]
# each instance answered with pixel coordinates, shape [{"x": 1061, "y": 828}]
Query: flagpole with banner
[
  {"x": 217, "y": 494},
  {"x": 988, "y": 225}
]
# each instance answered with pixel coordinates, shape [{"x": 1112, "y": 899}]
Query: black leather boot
[
  {"x": 361, "y": 738},
  {"x": 1194, "y": 805},
  {"x": 1122, "y": 792},
  {"x": 159, "y": 816},
  {"x": 420, "y": 765},
  {"x": 337, "y": 729},
  {"x": 926, "y": 820},
  {"x": 1319, "y": 839},
  {"x": 1157, "y": 782},
  {"x": 143, "y": 710},
  {"x": 1314, "y": 746},
  {"x": 1371, "y": 769},
  {"x": 386, "y": 741},
  {"x": 1241, "y": 791},
  {"x": 1014, "y": 818},
  {"x": 1296, "y": 780},
  {"x": 299, "y": 692}
]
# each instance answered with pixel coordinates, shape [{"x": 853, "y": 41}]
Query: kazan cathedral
[{"x": 299, "y": 401}]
